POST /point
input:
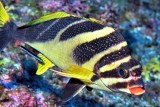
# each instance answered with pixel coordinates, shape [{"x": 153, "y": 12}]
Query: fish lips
[
  {"x": 137, "y": 90},
  {"x": 137, "y": 87}
]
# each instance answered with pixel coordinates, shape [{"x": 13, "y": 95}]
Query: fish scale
[
  {"x": 90, "y": 53},
  {"x": 79, "y": 28},
  {"x": 98, "y": 45},
  {"x": 34, "y": 31}
]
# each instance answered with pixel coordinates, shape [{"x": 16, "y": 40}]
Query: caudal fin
[
  {"x": 4, "y": 19},
  {"x": 3, "y": 15}
]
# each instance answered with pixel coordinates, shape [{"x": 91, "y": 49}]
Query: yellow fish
[{"x": 92, "y": 54}]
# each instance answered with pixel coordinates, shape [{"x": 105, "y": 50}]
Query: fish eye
[{"x": 123, "y": 73}]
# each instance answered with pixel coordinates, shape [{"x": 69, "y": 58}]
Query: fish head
[
  {"x": 131, "y": 74},
  {"x": 125, "y": 78}
]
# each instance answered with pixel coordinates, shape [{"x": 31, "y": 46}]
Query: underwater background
[{"x": 137, "y": 20}]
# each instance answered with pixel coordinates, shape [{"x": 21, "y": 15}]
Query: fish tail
[
  {"x": 4, "y": 17},
  {"x": 5, "y": 28}
]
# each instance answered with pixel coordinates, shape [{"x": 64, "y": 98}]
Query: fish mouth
[{"x": 137, "y": 90}]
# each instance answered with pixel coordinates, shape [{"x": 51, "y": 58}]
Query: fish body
[{"x": 92, "y": 54}]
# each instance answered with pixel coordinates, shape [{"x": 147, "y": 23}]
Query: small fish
[{"x": 89, "y": 52}]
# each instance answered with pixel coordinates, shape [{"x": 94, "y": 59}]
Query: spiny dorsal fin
[
  {"x": 3, "y": 15},
  {"x": 47, "y": 17},
  {"x": 97, "y": 21},
  {"x": 56, "y": 15}
]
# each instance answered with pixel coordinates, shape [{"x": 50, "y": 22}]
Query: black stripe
[
  {"x": 119, "y": 85},
  {"x": 138, "y": 71},
  {"x": 110, "y": 74},
  {"x": 114, "y": 73},
  {"x": 79, "y": 28},
  {"x": 32, "y": 32},
  {"x": 94, "y": 78},
  {"x": 138, "y": 82},
  {"x": 86, "y": 51},
  {"x": 112, "y": 57},
  {"x": 131, "y": 63},
  {"x": 134, "y": 62}
]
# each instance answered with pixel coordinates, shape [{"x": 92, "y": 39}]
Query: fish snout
[
  {"x": 137, "y": 87},
  {"x": 137, "y": 90}
]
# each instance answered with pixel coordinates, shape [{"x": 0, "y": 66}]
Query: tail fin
[
  {"x": 3, "y": 15},
  {"x": 4, "y": 19}
]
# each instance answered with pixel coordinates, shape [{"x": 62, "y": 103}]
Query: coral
[
  {"x": 70, "y": 6},
  {"x": 19, "y": 86},
  {"x": 153, "y": 66},
  {"x": 22, "y": 96},
  {"x": 138, "y": 20}
]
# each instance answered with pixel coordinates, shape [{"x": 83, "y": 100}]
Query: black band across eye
[{"x": 123, "y": 73}]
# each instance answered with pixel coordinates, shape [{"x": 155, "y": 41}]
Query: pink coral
[
  {"x": 76, "y": 7},
  {"x": 22, "y": 96},
  {"x": 73, "y": 6},
  {"x": 51, "y": 4},
  {"x": 41, "y": 99},
  {"x": 5, "y": 78}
]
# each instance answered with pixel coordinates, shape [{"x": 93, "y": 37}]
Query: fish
[{"x": 93, "y": 55}]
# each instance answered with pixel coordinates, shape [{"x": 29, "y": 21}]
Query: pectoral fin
[
  {"x": 78, "y": 72},
  {"x": 73, "y": 87},
  {"x": 43, "y": 67}
]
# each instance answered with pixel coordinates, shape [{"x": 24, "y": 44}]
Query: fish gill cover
[{"x": 137, "y": 20}]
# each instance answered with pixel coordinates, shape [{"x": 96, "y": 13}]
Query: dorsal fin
[
  {"x": 97, "y": 21},
  {"x": 55, "y": 15},
  {"x": 47, "y": 17}
]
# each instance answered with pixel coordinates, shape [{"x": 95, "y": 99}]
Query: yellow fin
[
  {"x": 3, "y": 15},
  {"x": 95, "y": 20},
  {"x": 77, "y": 72},
  {"x": 47, "y": 64},
  {"x": 48, "y": 17}
]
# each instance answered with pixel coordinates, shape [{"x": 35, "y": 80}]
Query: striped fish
[{"x": 93, "y": 55}]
